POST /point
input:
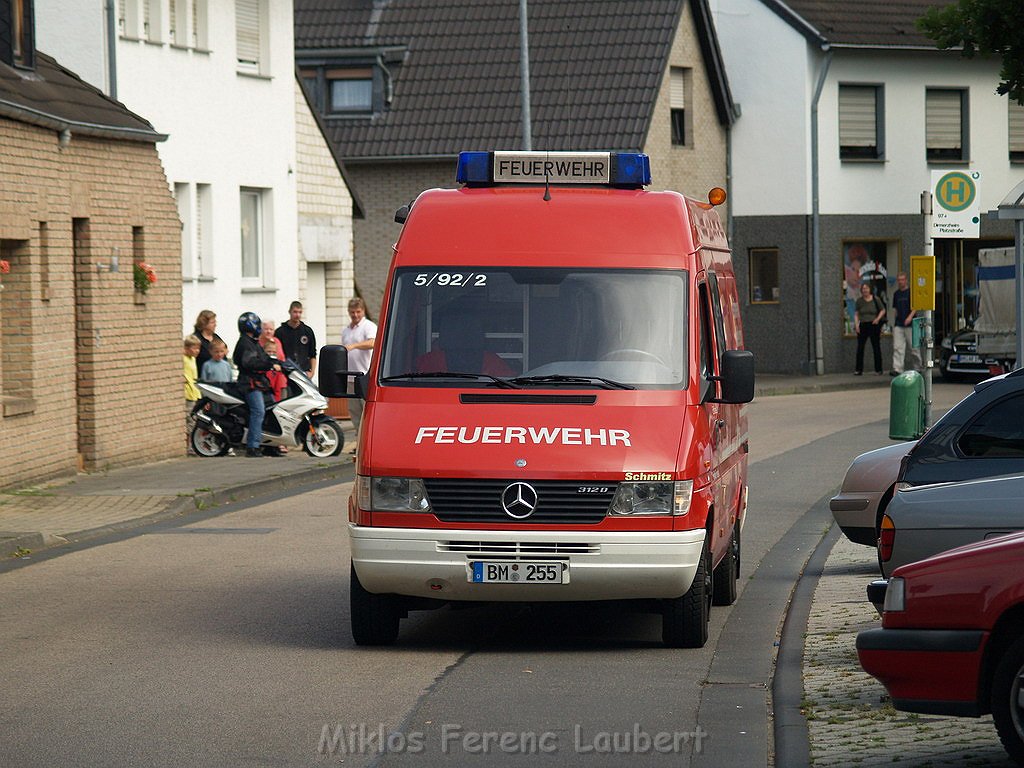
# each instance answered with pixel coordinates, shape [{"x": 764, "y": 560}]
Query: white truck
[{"x": 991, "y": 345}]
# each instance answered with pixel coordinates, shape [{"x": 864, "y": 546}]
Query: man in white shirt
[{"x": 358, "y": 338}]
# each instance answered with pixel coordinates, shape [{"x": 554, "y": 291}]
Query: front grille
[
  {"x": 518, "y": 550},
  {"x": 558, "y": 501}
]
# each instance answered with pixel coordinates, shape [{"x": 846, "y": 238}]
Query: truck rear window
[{"x": 536, "y": 327}]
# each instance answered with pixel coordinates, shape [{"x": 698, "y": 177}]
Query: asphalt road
[{"x": 225, "y": 641}]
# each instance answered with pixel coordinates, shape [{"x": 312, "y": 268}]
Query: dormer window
[
  {"x": 349, "y": 83},
  {"x": 350, "y": 90}
]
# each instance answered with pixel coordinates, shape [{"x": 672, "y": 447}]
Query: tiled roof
[
  {"x": 595, "y": 70},
  {"x": 57, "y": 98},
  {"x": 871, "y": 23}
]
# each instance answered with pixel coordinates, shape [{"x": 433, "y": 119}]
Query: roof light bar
[{"x": 631, "y": 170}]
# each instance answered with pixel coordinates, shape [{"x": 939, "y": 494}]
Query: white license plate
[
  {"x": 518, "y": 572},
  {"x": 967, "y": 358}
]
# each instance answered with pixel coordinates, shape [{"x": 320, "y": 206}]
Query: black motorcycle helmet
[{"x": 249, "y": 323}]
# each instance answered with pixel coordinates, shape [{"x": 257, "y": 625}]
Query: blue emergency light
[{"x": 629, "y": 170}]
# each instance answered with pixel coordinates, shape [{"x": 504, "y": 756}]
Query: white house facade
[
  {"x": 218, "y": 77},
  {"x": 891, "y": 109}
]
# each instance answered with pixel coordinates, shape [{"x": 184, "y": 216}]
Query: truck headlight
[
  {"x": 895, "y": 595},
  {"x": 391, "y": 494},
  {"x": 652, "y": 498},
  {"x": 947, "y": 342}
]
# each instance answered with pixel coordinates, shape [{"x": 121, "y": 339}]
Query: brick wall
[
  {"x": 101, "y": 383},
  {"x": 696, "y": 168},
  {"x": 324, "y": 201},
  {"x": 383, "y": 189}
]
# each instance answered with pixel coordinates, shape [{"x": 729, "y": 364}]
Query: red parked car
[{"x": 952, "y": 636}]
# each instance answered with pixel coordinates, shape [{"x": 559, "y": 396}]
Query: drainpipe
[
  {"x": 112, "y": 49},
  {"x": 819, "y": 347}
]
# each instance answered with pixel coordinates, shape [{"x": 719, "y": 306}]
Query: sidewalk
[
  {"x": 89, "y": 505},
  {"x": 849, "y": 717}
]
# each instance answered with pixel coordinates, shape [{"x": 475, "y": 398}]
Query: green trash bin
[{"x": 906, "y": 406}]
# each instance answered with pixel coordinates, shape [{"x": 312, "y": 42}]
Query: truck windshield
[{"x": 537, "y": 327}]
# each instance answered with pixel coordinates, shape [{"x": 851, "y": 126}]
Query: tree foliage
[{"x": 988, "y": 27}]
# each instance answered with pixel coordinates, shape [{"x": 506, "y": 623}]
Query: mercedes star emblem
[{"x": 519, "y": 500}]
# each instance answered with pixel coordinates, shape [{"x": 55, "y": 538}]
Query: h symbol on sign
[{"x": 956, "y": 189}]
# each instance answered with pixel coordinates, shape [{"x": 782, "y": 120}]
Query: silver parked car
[
  {"x": 925, "y": 520},
  {"x": 867, "y": 489}
]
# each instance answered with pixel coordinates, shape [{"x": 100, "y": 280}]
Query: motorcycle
[{"x": 299, "y": 418}]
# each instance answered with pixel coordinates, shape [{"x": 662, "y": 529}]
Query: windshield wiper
[
  {"x": 559, "y": 378},
  {"x": 505, "y": 383}
]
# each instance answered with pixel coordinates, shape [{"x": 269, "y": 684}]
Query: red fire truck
[{"x": 554, "y": 411}]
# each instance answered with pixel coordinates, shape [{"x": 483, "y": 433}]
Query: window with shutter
[
  {"x": 945, "y": 124},
  {"x": 860, "y": 122},
  {"x": 682, "y": 120},
  {"x": 1015, "y": 118},
  {"x": 247, "y": 32}
]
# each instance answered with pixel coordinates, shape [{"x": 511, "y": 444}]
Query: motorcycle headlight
[
  {"x": 391, "y": 494},
  {"x": 652, "y": 498}
]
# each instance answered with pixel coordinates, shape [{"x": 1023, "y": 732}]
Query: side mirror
[
  {"x": 359, "y": 385},
  {"x": 333, "y": 371},
  {"x": 737, "y": 379}
]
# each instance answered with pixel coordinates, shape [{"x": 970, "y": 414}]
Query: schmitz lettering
[{"x": 522, "y": 436}]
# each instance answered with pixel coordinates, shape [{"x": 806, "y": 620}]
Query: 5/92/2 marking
[{"x": 454, "y": 279}]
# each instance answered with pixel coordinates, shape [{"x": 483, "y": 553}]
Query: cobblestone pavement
[{"x": 850, "y": 719}]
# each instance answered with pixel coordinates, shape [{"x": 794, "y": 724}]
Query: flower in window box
[
  {"x": 144, "y": 276},
  {"x": 5, "y": 266}
]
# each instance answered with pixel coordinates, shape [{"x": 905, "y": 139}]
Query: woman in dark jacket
[
  {"x": 253, "y": 364},
  {"x": 867, "y": 320},
  {"x": 206, "y": 332}
]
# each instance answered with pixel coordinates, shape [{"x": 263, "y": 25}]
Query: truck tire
[
  {"x": 685, "y": 620},
  {"x": 1007, "y": 689},
  {"x": 728, "y": 571},
  {"x": 374, "y": 617}
]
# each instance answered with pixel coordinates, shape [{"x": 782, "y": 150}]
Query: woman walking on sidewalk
[{"x": 867, "y": 321}]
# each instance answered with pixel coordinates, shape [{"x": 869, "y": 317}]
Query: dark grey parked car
[
  {"x": 926, "y": 520},
  {"x": 981, "y": 436}
]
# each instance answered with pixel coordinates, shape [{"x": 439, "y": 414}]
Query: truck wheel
[
  {"x": 374, "y": 617},
  {"x": 728, "y": 571},
  {"x": 684, "y": 620},
  {"x": 1007, "y": 702}
]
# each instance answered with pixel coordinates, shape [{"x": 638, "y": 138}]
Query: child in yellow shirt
[{"x": 192, "y": 347}]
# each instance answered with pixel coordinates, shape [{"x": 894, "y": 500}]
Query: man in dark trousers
[
  {"x": 298, "y": 340},
  {"x": 253, "y": 364}
]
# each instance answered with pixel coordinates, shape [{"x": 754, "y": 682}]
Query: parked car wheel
[
  {"x": 685, "y": 620},
  {"x": 728, "y": 571},
  {"x": 1007, "y": 705},
  {"x": 374, "y": 618}
]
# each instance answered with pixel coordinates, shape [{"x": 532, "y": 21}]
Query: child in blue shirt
[{"x": 217, "y": 368}]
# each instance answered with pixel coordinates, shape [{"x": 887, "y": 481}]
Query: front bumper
[
  {"x": 855, "y": 513},
  {"x": 610, "y": 565},
  {"x": 926, "y": 670}
]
